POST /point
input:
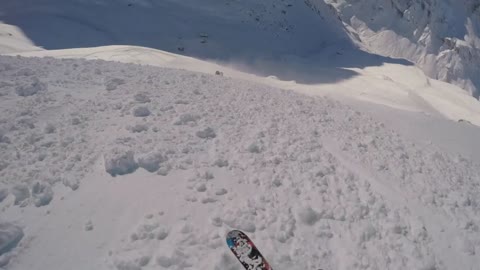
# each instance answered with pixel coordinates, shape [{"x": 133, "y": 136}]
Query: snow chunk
[
  {"x": 254, "y": 148},
  {"x": 221, "y": 192},
  {"x": 141, "y": 98},
  {"x": 88, "y": 226},
  {"x": 137, "y": 128},
  {"x": 221, "y": 163},
  {"x": 31, "y": 89},
  {"x": 308, "y": 216},
  {"x": 151, "y": 161},
  {"x": 42, "y": 194},
  {"x": 10, "y": 235},
  {"x": 113, "y": 83},
  {"x": 49, "y": 128},
  {"x": 207, "y": 133},
  {"x": 186, "y": 119},
  {"x": 141, "y": 111},
  {"x": 201, "y": 188},
  {"x": 21, "y": 193},
  {"x": 120, "y": 162},
  {"x": 25, "y": 72}
]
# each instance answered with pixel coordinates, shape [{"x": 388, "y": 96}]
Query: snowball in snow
[
  {"x": 119, "y": 162},
  {"x": 186, "y": 118},
  {"x": 221, "y": 163},
  {"x": 253, "y": 148},
  {"x": 113, "y": 83},
  {"x": 42, "y": 194},
  {"x": 21, "y": 193},
  {"x": 10, "y": 235},
  {"x": 137, "y": 128},
  {"x": 49, "y": 128},
  {"x": 88, "y": 226},
  {"x": 31, "y": 89},
  {"x": 141, "y": 111},
  {"x": 141, "y": 98},
  {"x": 207, "y": 133},
  {"x": 308, "y": 216}
]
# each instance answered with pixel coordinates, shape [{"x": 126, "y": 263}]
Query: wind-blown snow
[{"x": 315, "y": 183}]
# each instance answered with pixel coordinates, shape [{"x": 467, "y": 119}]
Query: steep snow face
[
  {"x": 94, "y": 184},
  {"x": 440, "y": 36}
]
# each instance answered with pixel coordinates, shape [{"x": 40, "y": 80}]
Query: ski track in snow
[{"x": 314, "y": 183}]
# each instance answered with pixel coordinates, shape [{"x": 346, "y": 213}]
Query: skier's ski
[{"x": 246, "y": 252}]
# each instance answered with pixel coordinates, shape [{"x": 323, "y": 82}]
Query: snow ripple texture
[{"x": 314, "y": 183}]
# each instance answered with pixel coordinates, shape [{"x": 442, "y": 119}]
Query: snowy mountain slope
[
  {"x": 213, "y": 29},
  {"x": 440, "y": 36},
  {"x": 386, "y": 84},
  {"x": 266, "y": 38},
  {"x": 315, "y": 183}
]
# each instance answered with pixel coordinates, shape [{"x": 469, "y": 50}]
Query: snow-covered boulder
[{"x": 119, "y": 162}]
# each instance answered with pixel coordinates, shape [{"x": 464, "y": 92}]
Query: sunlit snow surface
[
  {"x": 328, "y": 156},
  {"x": 316, "y": 184}
]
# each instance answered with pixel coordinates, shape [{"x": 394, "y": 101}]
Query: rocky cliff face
[{"x": 440, "y": 36}]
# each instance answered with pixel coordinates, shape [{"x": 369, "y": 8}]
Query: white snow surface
[{"x": 316, "y": 183}]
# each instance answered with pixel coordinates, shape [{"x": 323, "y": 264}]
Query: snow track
[{"x": 315, "y": 183}]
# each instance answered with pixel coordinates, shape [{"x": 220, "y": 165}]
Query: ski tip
[{"x": 235, "y": 233}]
